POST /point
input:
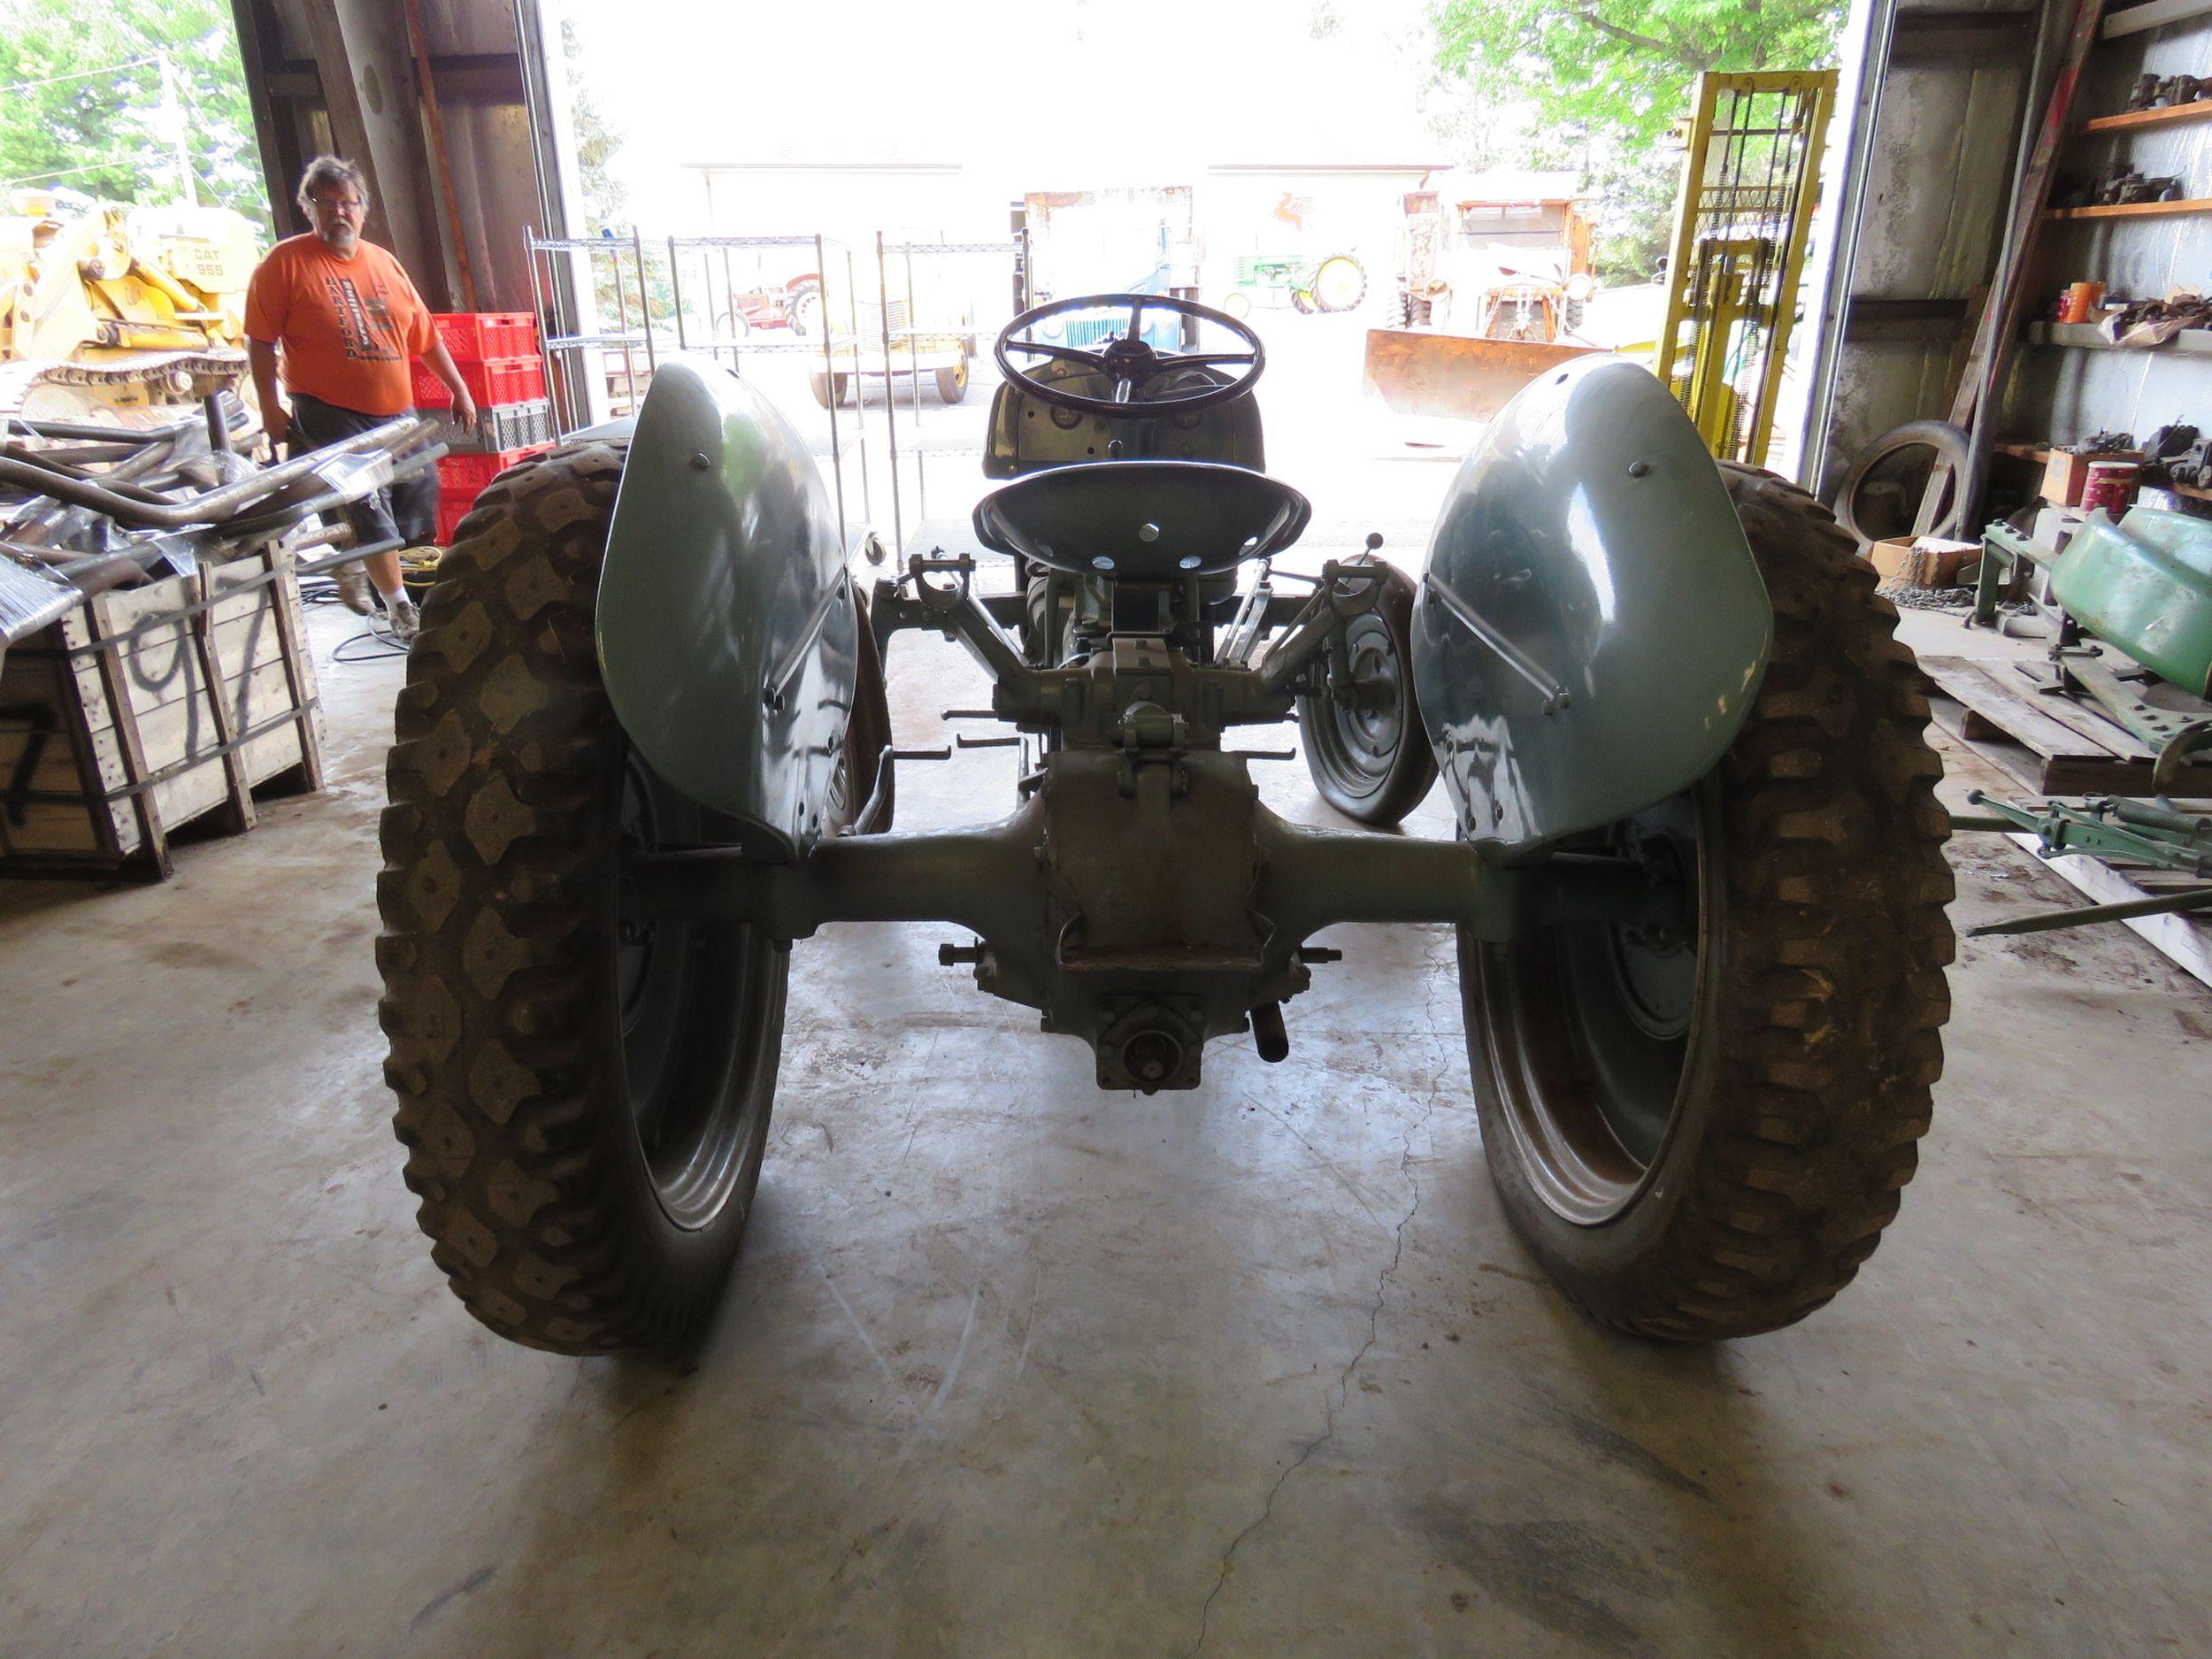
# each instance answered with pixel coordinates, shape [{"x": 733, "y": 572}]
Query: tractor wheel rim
[
  {"x": 1357, "y": 741},
  {"x": 1591, "y": 1031},
  {"x": 693, "y": 1013}
]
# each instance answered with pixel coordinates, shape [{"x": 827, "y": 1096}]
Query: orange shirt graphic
[{"x": 348, "y": 326}]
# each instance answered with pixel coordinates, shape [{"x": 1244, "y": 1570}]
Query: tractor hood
[
  {"x": 727, "y": 630},
  {"x": 1591, "y": 628}
]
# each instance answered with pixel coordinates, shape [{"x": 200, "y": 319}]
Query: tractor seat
[{"x": 1144, "y": 521}]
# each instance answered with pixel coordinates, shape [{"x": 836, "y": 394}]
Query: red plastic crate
[
  {"x": 451, "y": 511},
  {"x": 478, "y": 336},
  {"x": 466, "y": 474},
  {"x": 494, "y": 381},
  {"x": 510, "y": 381}
]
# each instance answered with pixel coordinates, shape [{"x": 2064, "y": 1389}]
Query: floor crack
[{"x": 1343, "y": 1382}]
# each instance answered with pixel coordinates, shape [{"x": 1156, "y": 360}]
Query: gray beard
[{"x": 344, "y": 244}]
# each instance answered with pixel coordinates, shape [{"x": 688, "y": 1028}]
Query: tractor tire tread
[
  {"x": 490, "y": 779},
  {"x": 1818, "y": 1150},
  {"x": 1832, "y": 1000}
]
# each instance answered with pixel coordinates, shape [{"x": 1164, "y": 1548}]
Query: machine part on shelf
[
  {"x": 2177, "y": 454},
  {"x": 2103, "y": 443},
  {"x": 2122, "y": 184},
  {"x": 2142, "y": 324},
  {"x": 2188, "y": 469},
  {"x": 2165, "y": 92},
  {"x": 1750, "y": 182},
  {"x": 2103, "y": 826},
  {"x": 1888, "y": 478},
  {"x": 2178, "y": 89}
]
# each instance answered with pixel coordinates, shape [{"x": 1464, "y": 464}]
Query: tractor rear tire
[
  {"x": 1339, "y": 283},
  {"x": 584, "y": 1089},
  {"x": 952, "y": 384},
  {"x": 802, "y": 311},
  {"x": 1700, "y": 1130},
  {"x": 1370, "y": 759},
  {"x": 828, "y": 388}
]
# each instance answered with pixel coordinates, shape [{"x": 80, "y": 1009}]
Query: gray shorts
[{"x": 407, "y": 510}]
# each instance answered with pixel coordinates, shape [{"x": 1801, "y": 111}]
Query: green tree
[
  {"x": 1624, "y": 66},
  {"x": 102, "y": 97},
  {"x": 607, "y": 199},
  {"x": 1605, "y": 81}
]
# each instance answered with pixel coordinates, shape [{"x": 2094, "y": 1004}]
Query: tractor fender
[
  {"x": 1591, "y": 628},
  {"x": 727, "y": 634}
]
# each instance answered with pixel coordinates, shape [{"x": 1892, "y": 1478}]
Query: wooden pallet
[
  {"x": 147, "y": 708},
  {"x": 2052, "y": 744}
]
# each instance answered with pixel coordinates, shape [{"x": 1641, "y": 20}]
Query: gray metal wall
[
  {"x": 1944, "y": 151},
  {"x": 342, "y": 75},
  {"x": 1939, "y": 176},
  {"x": 2068, "y": 393}
]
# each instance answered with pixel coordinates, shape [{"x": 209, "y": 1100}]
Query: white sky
[{"x": 1062, "y": 94}]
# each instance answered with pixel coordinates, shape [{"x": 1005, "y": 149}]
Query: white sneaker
[
  {"x": 403, "y": 620},
  {"x": 353, "y": 588}
]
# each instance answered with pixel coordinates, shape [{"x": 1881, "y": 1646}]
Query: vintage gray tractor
[{"x": 644, "y": 745}]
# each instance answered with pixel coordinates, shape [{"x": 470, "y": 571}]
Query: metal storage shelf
[
  {"x": 2189, "y": 341},
  {"x": 2127, "y": 120},
  {"x": 2027, "y": 449},
  {"x": 2133, "y": 209},
  {"x": 2157, "y": 14}
]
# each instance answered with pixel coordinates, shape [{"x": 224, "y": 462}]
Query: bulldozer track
[{"x": 19, "y": 381}]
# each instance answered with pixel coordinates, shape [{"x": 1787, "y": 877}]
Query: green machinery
[
  {"x": 1336, "y": 283},
  {"x": 2113, "y": 826},
  {"x": 2145, "y": 585},
  {"x": 1694, "y": 871}
]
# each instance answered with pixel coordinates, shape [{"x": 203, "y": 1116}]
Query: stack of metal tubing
[{"x": 86, "y": 508}]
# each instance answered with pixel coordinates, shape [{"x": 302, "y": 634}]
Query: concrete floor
[{"x": 1011, "y": 1367}]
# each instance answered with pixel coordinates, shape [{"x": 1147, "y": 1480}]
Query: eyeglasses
[{"x": 324, "y": 204}]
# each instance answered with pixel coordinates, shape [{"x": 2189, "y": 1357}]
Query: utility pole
[{"x": 171, "y": 113}]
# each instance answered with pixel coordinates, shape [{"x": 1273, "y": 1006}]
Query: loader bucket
[{"x": 1455, "y": 376}]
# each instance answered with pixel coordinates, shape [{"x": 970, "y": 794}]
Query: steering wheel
[{"x": 1129, "y": 362}]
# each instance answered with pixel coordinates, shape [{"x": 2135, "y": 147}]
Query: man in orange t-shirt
[{"x": 349, "y": 323}]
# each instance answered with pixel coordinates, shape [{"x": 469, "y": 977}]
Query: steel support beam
[{"x": 367, "y": 72}]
